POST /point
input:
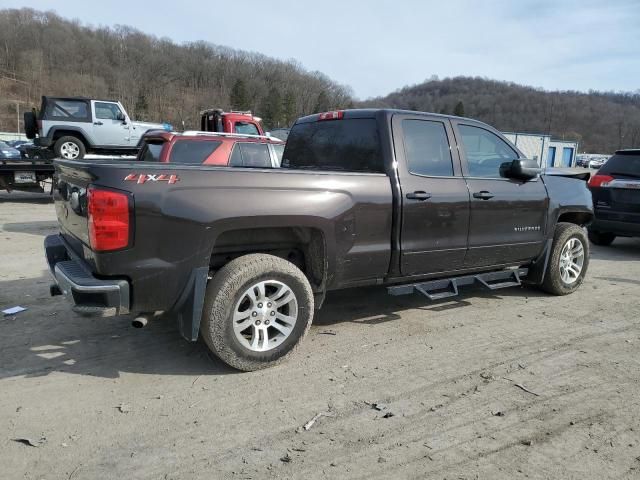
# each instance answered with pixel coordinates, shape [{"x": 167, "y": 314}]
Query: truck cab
[{"x": 242, "y": 122}]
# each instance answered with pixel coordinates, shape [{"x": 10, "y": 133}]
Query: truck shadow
[
  {"x": 42, "y": 227},
  {"x": 49, "y": 337}
]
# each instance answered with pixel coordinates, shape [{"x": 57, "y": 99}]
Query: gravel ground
[{"x": 507, "y": 384}]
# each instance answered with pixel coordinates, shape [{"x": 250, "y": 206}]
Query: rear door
[
  {"x": 508, "y": 217},
  {"x": 617, "y": 194},
  {"x": 251, "y": 154},
  {"x": 108, "y": 127},
  {"x": 435, "y": 199}
]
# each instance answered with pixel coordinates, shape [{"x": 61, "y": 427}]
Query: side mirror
[
  {"x": 521, "y": 169},
  {"x": 121, "y": 117}
]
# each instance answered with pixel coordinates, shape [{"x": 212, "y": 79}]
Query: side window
[
  {"x": 107, "y": 111},
  {"x": 151, "y": 152},
  {"x": 426, "y": 148},
  {"x": 192, "y": 151},
  {"x": 250, "y": 155},
  {"x": 67, "y": 109},
  {"x": 279, "y": 149},
  {"x": 245, "y": 128},
  {"x": 485, "y": 151}
]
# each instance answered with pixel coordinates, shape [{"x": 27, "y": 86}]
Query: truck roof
[
  {"x": 373, "y": 112},
  {"x": 50, "y": 97}
]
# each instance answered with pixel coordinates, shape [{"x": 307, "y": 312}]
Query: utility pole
[{"x": 18, "y": 118}]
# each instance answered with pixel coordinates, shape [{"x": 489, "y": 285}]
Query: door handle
[
  {"x": 483, "y": 195},
  {"x": 97, "y": 123},
  {"x": 418, "y": 195}
]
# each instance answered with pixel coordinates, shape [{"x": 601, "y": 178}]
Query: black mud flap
[{"x": 188, "y": 309}]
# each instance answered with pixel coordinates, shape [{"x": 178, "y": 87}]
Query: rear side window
[
  {"x": 246, "y": 128},
  {"x": 192, "y": 151},
  {"x": 70, "y": 110},
  {"x": 622, "y": 164},
  {"x": 351, "y": 145},
  {"x": 250, "y": 155},
  {"x": 427, "y": 148},
  {"x": 151, "y": 152},
  {"x": 485, "y": 151}
]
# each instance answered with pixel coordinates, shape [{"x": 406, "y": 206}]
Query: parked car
[
  {"x": 616, "y": 198},
  {"x": 16, "y": 143},
  {"x": 596, "y": 162},
  {"x": 243, "y": 256},
  {"x": 222, "y": 149},
  {"x": 7, "y": 152},
  {"x": 74, "y": 126},
  {"x": 281, "y": 133}
]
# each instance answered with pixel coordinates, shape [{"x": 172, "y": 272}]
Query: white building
[{"x": 546, "y": 151}]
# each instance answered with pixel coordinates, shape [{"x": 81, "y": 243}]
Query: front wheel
[
  {"x": 257, "y": 310},
  {"x": 568, "y": 261}
]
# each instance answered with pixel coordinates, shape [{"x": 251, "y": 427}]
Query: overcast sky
[{"x": 378, "y": 46}]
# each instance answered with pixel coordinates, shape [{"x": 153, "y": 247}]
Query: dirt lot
[{"x": 109, "y": 401}]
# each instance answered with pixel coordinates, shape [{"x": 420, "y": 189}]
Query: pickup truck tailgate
[{"x": 70, "y": 199}]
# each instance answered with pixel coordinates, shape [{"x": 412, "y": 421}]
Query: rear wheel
[
  {"x": 601, "y": 238},
  {"x": 568, "y": 261},
  {"x": 257, "y": 310},
  {"x": 69, "y": 148}
]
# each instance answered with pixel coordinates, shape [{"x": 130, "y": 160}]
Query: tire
[
  {"x": 601, "y": 238},
  {"x": 228, "y": 304},
  {"x": 66, "y": 147},
  {"x": 30, "y": 125},
  {"x": 554, "y": 282}
]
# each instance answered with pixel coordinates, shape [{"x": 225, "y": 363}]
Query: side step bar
[{"x": 439, "y": 289}]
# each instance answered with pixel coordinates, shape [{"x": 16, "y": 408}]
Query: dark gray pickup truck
[{"x": 241, "y": 256}]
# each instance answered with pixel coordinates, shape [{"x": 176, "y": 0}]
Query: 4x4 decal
[{"x": 147, "y": 177}]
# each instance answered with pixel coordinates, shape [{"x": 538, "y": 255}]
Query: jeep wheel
[
  {"x": 257, "y": 310},
  {"x": 69, "y": 148},
  {"x": 568, "y": 261},
  {"x": 601, "y": 238}
]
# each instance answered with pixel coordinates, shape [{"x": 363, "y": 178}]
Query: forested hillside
[
  {"x": 601, "y": 122},
  {"x": 155, "y": 78}
]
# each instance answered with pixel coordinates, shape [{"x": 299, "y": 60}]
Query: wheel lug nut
[
  {"x": 269, "y": 304},
  {"x": 254, "y": 314},
  {"x": 266, "y": 322},
  {"x": 258, "y": 322},
  {"x": 259, "y": 305},
  {"x": 273, "y": 313}
]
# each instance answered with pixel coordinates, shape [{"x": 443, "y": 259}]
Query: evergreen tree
[
  {"x": 459, "y": 110},
  {"x": 289, "y": 108},
  {"x": 322, "y": 103},
  {"x": 239, "y": 96},
  {"x": 272, "y": 112}
]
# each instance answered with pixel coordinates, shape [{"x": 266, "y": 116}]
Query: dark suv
[{"x": 616, "y": 198}]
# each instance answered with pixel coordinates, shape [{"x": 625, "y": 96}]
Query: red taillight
[
  {"x": 108, "y": 217},
  {"x": 335, "y": 115},
  {"x": 600, "y": 180}
]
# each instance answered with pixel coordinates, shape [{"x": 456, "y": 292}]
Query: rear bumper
[
  {"x": 88, "y": 294},
  {"x": 625, "y": 229}
]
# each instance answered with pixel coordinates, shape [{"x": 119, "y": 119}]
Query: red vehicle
[
  {"x": 222, "y": 149},
  {"x": 216, "y": 120}
]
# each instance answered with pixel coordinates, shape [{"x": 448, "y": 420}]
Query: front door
[
  {"x": 435, "y": 199},
  {"x": 108, "y": 127},
  {"x": 508, "y": 217}
]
